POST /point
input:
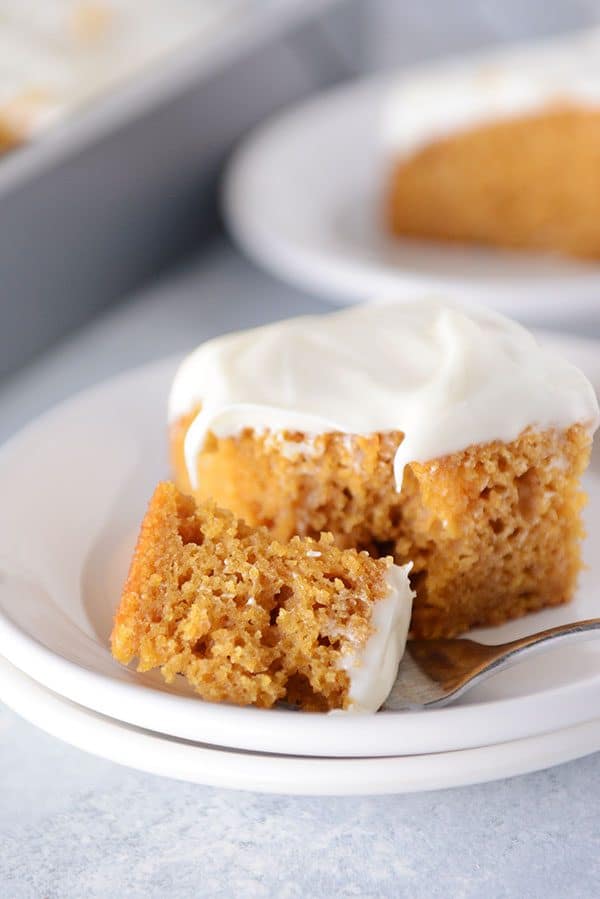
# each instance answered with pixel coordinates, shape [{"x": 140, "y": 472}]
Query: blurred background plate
[{"x": 303, "y": 198}]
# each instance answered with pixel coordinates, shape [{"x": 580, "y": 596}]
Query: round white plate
[
  {"x": 74, "y": 486},
  {"x": 263, "y": 773},
  {"x": 302, "y": 197}
]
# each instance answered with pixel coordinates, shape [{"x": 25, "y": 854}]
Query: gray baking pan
[{"x": 106, "y": 200}]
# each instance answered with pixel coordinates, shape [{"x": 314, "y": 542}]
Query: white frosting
[
  {"x": 372, "y": 668},
  {"x": 445, "y": 377},
  {"x": 431, "y": 103}
]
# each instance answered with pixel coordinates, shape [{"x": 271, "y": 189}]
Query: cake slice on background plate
[
  {"x": 249, "y": 620},
  {"x": 501, "y": 149},
  {"x": 441, "y": 435}
]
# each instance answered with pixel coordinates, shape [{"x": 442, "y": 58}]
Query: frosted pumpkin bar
[{"x": 442, "y": 436}]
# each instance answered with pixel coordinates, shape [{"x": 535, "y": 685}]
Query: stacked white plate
[{"x": 74, "y": 486}]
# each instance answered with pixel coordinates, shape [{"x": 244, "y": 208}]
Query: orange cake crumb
[
  {"x": 493, "y": 532},
  {"x": 531, "y": 181},
  {"x": 244, "y": 617}
]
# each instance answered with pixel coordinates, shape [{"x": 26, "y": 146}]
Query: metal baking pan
[{"x": 107, "y": 199}]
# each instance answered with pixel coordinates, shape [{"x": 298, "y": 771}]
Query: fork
[{"x": 434, "y": 673}]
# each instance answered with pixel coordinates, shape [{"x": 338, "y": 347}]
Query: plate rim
[
  {"x": 223, "y": 724},
  {"x": 342, "y": 278},
  {"x": 213, "y": 766}
]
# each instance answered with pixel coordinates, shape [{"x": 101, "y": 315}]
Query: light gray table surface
[{"x": 72, "y": 825}]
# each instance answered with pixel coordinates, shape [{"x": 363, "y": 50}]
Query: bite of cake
[
  {"x": 248, "y": 619},
  {"x": 444, "y": 437}
]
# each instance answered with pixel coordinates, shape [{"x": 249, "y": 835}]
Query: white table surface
[{"x": 72, "y": 825}]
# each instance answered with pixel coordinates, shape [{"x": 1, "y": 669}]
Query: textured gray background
[
  {"x": 398, "y": 32},
  {"x": 79, "y": 827}
]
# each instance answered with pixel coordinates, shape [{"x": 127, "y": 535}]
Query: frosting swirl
[{"x": 447, "y": 378}]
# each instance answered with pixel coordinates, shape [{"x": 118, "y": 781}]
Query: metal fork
[{"x": 433, "y": 673}]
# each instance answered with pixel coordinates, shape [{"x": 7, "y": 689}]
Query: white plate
[
  {"x": 303, "y": 196},
  {"x": 74, "y": 486},
  {"x": 216, "y": 767}
]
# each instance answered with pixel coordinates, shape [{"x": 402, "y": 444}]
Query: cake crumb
[{"x": 281, "y": 635}]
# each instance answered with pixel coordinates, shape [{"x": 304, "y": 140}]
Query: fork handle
[
  {"x": 577, "y": 630},
  {"x": 457, "y": 665}
]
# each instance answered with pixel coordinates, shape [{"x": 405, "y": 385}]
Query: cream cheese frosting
[
  {"x": 372, "y": 668},
  {"x": 429, "y": 104},
  {"x": 447, "y": 377}
]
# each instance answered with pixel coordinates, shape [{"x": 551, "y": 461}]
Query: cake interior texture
[
  {"x": 493, "y": 531},
  {"x": 531, "y": 181},
  {"x": 245, "y": 618},
  {"x": 8, "y": 139}
]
